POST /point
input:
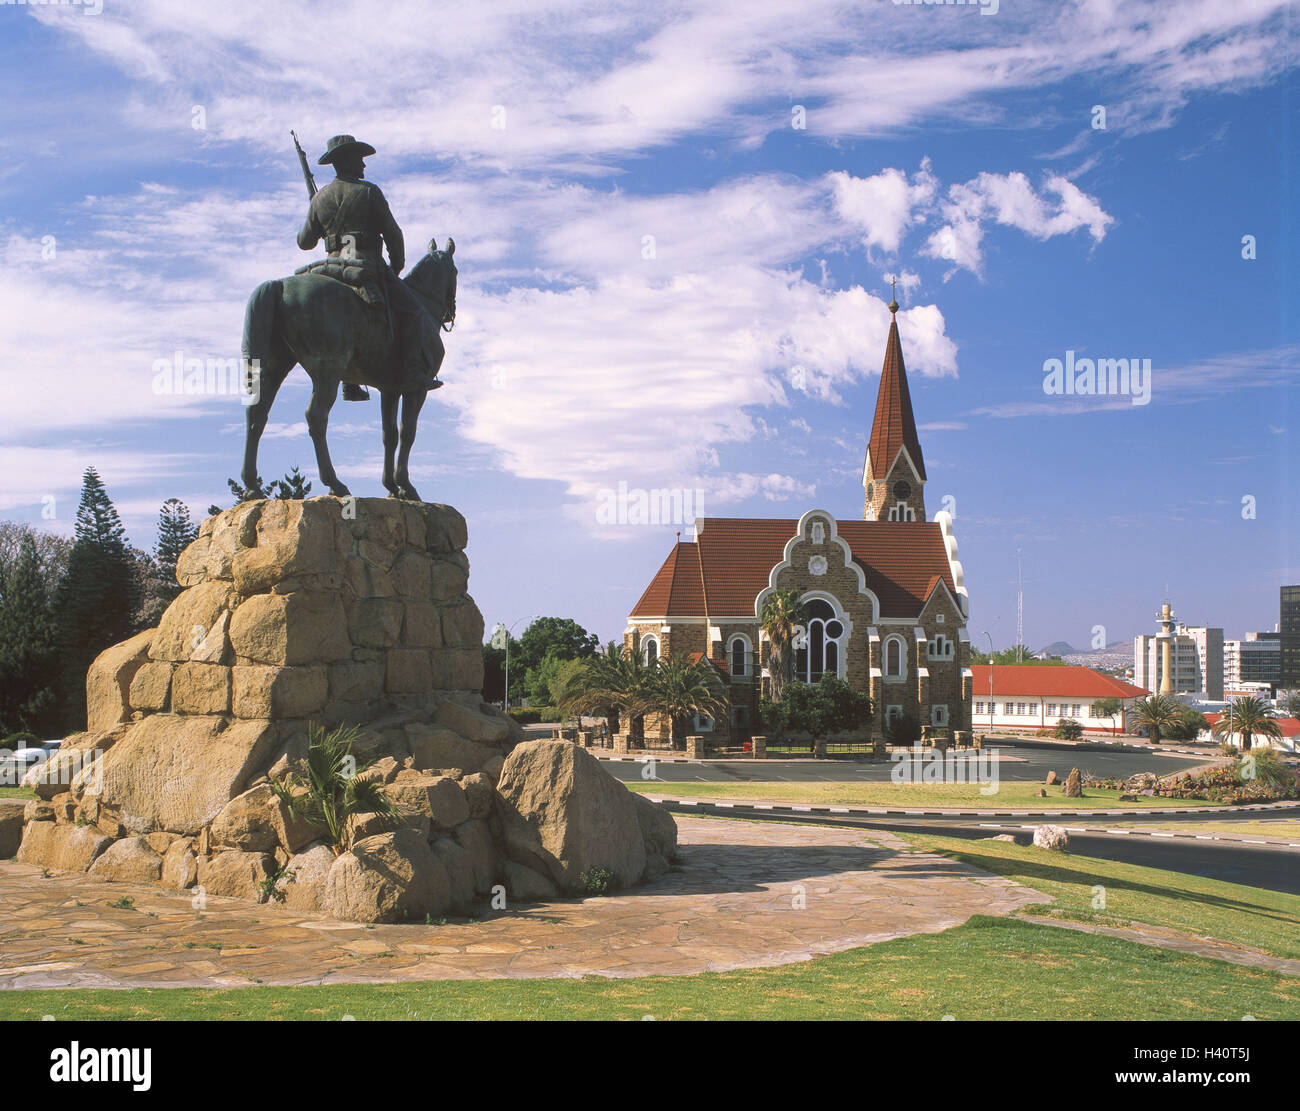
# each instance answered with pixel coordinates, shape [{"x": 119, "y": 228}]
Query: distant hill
[
  {"x": 1059, "y": 648},
  {"x": 1063, "y": 648}
]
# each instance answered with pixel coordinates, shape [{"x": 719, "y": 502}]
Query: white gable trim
[
  {"x": 832, "y": 537},
  {"x": 944, "y": 520}
]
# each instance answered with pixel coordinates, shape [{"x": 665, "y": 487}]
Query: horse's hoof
[
  {"x": 340, "y": 491},
  {"x": 408, "y": 493}
]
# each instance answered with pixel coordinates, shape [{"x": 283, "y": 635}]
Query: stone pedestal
[
  {"x": 621, "y": 744},
  {"x": 695, "y": 748},
  {"x": 758, "y": 748}
]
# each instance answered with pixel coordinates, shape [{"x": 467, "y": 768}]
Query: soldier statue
[{"x": 353, "y": 218}]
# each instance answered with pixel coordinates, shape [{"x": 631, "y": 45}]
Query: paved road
[
  {"x": 1263, "y": 866},
  {"x": 1019, "y": 765}
]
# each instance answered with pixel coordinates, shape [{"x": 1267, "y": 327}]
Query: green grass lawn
[
  {"x": 959, "y": 796},
  {"x": 1267, "y": 920},
  {"x": 990, "y": 968},
  {"x": 17, "y": 793}
]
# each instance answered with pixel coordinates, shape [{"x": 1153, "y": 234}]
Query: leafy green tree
[
  {"x": 1153, "y": 715},
  {"x": 28, "y": 645},
  {"x": 97, "y": 600},
  {"x": 1289, "y": 703},
  {"x": 560, "y": 637},
  {"x": 1188, "y": 725},
  {"x": 1107, "y": 708},
  {"x": 781, "y": 615},
  {"x": 1246, "y": 717},
  {"x": 1012, "y": 655},
  {"x": 828, "y": 706},
  {"x": 51, "y": 552}
]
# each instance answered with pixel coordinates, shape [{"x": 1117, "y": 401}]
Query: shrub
[
  {"x": 1067, "y": 729},
  {"x": 21, "y": 740},
  {"x": 905, "y": 730},
  {"x": 526, "y": 716},
  {"x": 599, "y": 881}
]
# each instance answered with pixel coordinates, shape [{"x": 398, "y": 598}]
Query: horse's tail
[{"x": 259, "y": 324}]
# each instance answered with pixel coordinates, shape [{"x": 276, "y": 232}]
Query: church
[{"x": 886, "y": 602}]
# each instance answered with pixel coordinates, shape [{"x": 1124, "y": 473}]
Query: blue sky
[{"x": 953, "y": 148}]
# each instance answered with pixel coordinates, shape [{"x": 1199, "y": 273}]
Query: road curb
[{"x": 883, "y": 812}]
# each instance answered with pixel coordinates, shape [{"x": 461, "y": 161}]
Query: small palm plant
[
  {"x": 1155, "y": 714},
  {"x": 782, "y": 613},
  {"x": 680, "y": 688},
  {"x": 335, "y": 786},
  {"x": 1247, "y": 717}
]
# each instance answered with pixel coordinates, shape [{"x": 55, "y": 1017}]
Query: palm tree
[
  {"x": 782, "y": 612},
  {"x": 1152, "y": 715},
  {"x": 1246, "y": 716},
  {"x": 614, "y": 683},
  {"x": 681, "y": 688}
]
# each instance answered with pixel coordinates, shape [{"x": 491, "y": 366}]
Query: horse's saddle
[{"x": 358, "y": 274}]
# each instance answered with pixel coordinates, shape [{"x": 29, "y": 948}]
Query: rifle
[{"x": 306, "y": 170}]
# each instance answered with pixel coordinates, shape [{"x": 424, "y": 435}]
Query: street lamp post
[
  {"x": 990, "y": 681},
  {"x": 503, "y": 633}
]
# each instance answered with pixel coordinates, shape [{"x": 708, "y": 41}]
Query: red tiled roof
[
  {"x": 1051, "y": 680},
  {"x": 1290, "y": 726},
  {"x": 894, "y": 425},
  {"x": 676, "y": 587},
  {"x": 902, "y": 562}
]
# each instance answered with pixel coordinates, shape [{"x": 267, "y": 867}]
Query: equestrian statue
[{"x": 350, "y": 319}]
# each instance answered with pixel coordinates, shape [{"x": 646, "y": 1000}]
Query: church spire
[{"x": 894, "y": 473}]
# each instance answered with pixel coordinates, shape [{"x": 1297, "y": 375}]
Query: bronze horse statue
[{"x": 322, "y": 324}]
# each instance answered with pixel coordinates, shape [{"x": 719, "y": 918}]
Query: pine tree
[
  {"x": 28, "y": 645},
  {"x": 175, "y": 533},
  {"x": 99, "y": 594}
]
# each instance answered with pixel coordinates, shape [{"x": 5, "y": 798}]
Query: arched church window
[
  {"x": 739, "y": 656},
  {"x": 894, "y": 658},
  {"x": 650, "y": 649},
  {"x": 821, "y": 653}
]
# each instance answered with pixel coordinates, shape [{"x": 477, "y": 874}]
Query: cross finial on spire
[{"x": 893, "y": 300}]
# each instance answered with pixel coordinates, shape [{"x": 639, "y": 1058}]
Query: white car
[{"x": 15, "y": 765}]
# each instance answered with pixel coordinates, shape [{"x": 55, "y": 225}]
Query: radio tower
[{"x": 1020, "y": 612}]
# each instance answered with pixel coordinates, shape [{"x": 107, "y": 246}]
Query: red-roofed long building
[
  {"x": 1037, "y": 696},
  {"x": 885, "y": 596}
]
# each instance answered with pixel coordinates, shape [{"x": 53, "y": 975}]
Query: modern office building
[
  {"x": 1255, "y": 659},
  {"x": 1180, "y": 659},
  {"x": 1289, "y": 630}
]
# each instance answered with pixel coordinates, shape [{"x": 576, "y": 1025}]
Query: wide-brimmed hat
[{"x": 342, "y": 144}]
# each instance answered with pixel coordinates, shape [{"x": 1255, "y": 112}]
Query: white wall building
[{"x": 1029, "y": 696}]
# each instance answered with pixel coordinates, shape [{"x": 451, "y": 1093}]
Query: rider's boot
[{"x": 354, "y": 392}]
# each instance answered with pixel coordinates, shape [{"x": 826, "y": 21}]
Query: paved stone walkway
[
  {"x": 734, "y": 903},
  {"x": 1183, "y": 943}
]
